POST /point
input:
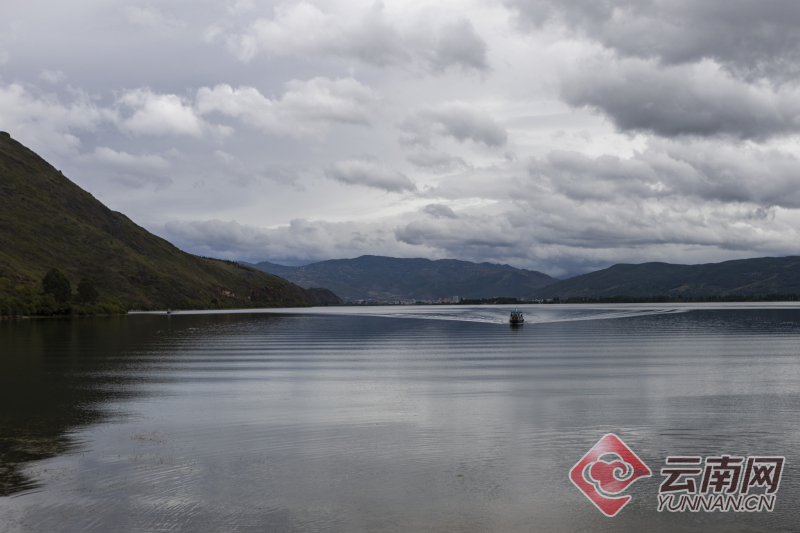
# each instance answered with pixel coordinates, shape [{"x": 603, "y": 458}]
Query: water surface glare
[{"x": 436, "y": 418}]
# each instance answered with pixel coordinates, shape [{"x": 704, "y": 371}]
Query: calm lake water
[{"x": 400, "y": 419}]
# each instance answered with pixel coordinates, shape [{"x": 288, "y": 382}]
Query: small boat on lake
[{"x": 516, "y": 317}]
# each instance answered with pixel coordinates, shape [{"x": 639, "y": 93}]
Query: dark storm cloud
[
  {"x": 698, "y": 99},
  {"x": 370, "y": 173},
  {"x": 439, "y": 211},
  {"x": 459, "y": 45},
  {"x": 695, "y": 171},
  {"x": 751, "y": 39},
  {"x": 476, "y": 235}
]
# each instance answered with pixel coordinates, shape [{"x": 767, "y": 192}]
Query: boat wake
[{"x": 534, "y": 314}]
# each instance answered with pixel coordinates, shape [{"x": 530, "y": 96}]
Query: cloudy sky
[{"x": 560, "y": 136}]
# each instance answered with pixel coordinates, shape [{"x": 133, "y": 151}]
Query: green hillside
[
  {"x": 46, "y": 222},
  {"x": 765, "y": 275},
  {"x": 371, "y": 277}
]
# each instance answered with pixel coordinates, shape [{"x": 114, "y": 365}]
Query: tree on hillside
[
  {"x": 57, "y": 284},
  {"x": 87, "y": 294}
]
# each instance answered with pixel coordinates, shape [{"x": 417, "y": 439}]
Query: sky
[{"x": 558, "y": 136}]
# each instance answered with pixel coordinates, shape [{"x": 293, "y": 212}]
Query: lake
[{"x": 395, "y": 419}]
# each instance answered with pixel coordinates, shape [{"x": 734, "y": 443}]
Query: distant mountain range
[
  {"x": 765, "y": 275},
  {"x": 371, "y": 277},
  {"x": 46, "y": 221},
  {"x": 387, "y": 278}
]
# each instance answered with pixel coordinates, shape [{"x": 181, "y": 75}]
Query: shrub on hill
[
  {"x": 87, "y": 294},
  {"x": 27, "y": 300},
  {"x": 55, "y": 283}
]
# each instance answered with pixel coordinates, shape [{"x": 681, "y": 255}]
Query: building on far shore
[{"x": 456, "y": 299}]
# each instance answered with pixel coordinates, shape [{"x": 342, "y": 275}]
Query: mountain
[
  {"x": 273, "y": 268},
  {"x": 765, "y": 275},
  {"x": 372, "y": 277},
  {"x": 46, "y": 222}
]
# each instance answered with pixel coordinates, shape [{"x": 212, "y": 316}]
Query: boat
[
  {"x": 516, "y": 317},
  {"x": 169, "y": 311}
]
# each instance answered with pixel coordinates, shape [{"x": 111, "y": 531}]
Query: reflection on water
[
  {"x": 49, "y": 386},
  {"x": 384, "y": 419}
]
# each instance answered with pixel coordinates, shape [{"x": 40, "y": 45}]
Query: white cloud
[
  {"x": 305, "y": 30},
  {"x": 232, "y": 168},
  {"x": 128, "y": 171},
  {"x": 211, "y": 33},
  {"x": 245, "y": 103},
  {"x": 459, "y": 120},
  {"x": 45, "y": 118},
  {"x": 143, "y": 16},
  {"x": 304, "y": 107},
  {"x": 434, "y": 161},
  {"x": 369, "y": 173},
  {"x": 157, "y": 114},
  {"x": 109, "y": 156},
  {"x": 150, "y": 17},
  {"x": 299, "y": 240},
  {"x": 321, "y": 99},
  {"x": 239, "y": 7},
  {"x": 52, "y": 76},
  {"x": 44, "y": 123}
]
